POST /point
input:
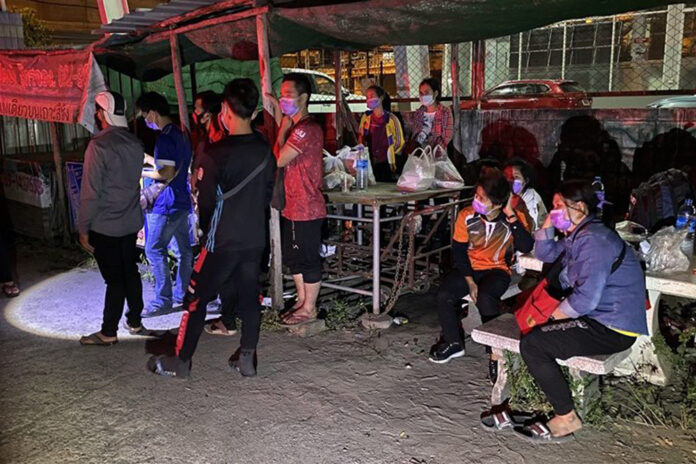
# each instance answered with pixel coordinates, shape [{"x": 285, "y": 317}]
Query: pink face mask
[
  {"x": 559, "y": 220},
  {"x": 480, "y": 207}
]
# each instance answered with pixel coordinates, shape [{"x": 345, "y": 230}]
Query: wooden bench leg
[
  {"x": 500, "y": 392},
  {"x": 585, "y": 391}
]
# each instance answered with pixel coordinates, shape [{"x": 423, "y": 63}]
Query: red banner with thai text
[{"x": 48, "y": 86}]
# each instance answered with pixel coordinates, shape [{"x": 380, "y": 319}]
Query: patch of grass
[{"x": 341, "y": 314}]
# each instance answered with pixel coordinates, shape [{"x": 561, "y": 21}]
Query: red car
[{"x": 532, "y": 94}]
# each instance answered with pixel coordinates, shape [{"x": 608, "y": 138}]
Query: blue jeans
[{"x": 161, "y": 229}]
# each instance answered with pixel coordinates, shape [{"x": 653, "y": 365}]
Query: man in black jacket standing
[{"x": 235, "y": 230}]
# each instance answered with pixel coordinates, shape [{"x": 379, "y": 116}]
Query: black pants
[
  {"x": 383, "y": 172},
  {"x": 212, "y": 274},
  {"x": 6, "y": 255},
  {"x": 301, "y": 247},
  {"x": 117, "y": 258},
  {"x": 228, "y": 306},
  {"x": 491, "y": 286},
  {"x": 562, "y": 340}
]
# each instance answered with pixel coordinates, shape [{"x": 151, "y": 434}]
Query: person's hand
[
  {"x": 473, "y": 289},
  {"x": 84, "y": 243},
  {"x": 547, "y": 223},
  {"x": 148, "y": 159},
  {"x": 277, "y": 113}
]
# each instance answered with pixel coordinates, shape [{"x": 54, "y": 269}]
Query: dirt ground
[{"x": 340, "y": 397}]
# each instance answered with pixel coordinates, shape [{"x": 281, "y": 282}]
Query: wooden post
[
  {"x": 454, "y": 65},
  {"x": 338, "y": 73},
  {"x": 269, "y": 122},
  {"x": 478, "y": 69},
  {"x": 58, "y": 164},
  {"x": 179, "y": 82}
]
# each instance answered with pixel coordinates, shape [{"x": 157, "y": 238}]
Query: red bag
[{"x": 537, "y": 309}]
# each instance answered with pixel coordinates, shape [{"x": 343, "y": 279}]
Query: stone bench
[
  {"x": 472, "y": 319},
  {"x": 503, "y": 334}
]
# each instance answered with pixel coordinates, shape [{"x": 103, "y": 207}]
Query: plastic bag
[
  {"x": 665, "y": 255},
  {"x": 446, "y": 174},
  {"x": 419, "y": 171},
  {"x": 338, "y": 179},
  {"x": 350, "y": 155}
]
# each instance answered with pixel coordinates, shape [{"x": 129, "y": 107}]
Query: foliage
[
  {"x": 36, "y": 33},
  {"x": 342, "y": 314}
]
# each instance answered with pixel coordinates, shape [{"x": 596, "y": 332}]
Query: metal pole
[
  {"x": 519, "y": 57},
  {"x": 194, "y": 84},
  {"x": 276, "y": 289},
  {"x": 58, "y": 164},
  {"x": 179, "y": 82},
  {"x": 375, "y": 259},
  {"x": 338, "y": 73},
  {"x": 611, "y": 55},
  {"x": 563, "y": 53},
  {"x": 454, "y": 72}
]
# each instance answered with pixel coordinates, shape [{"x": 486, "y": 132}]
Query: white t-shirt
[
  {"x": 428, "y": 119},
  {"x": 535, "y": 206}
]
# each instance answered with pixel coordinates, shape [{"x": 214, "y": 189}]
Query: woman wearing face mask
[
  {"x": 520, "y": 175},
  {"x": 486, "y": 236},
  {"x": 433, "y": 122},
  {"x": 381, "y": 132},
  {"x": 603, "y": 314}
]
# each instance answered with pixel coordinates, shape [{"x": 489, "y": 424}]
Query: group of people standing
[{"x": 237, "y": 174}]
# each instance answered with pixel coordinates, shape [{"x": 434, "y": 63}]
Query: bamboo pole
[
  {"x": 60, "y": 181},
  {"x": 179, "y": 83},
  {"x": 276, "y": 277}
]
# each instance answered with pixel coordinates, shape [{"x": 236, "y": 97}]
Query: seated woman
[
  {"x": 486, "y": 235},
  {"x": 521, "y": 177},
  {"x": 381, "y": 133},
  {"x": 603, "y": 314}
]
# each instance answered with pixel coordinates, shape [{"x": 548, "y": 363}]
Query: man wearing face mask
[
  {"x": 242, "y": 165},
  {"x": 207, "y": 126},
  {"x": 603, "y": 314},
  {"x": 168, "y": 217},
  {"x": 110, "y": 216},
  {"x": 486, "y": 236},
  {"x": 298, "y": 150}
]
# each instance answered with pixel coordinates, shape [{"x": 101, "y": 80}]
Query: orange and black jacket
[{"x": 481, "y": 245}]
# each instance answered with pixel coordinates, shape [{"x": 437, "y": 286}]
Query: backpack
[{"x": 655, "y": 203}]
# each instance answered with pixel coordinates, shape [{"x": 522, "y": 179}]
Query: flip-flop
[
  {"x": 218, "y": 328},
  {"x": 538, "y": 432},
  {"x": 95, "y": 340},
  {"x": 301, "y": 320},
  {"x": 504, "y": 420},
  {"x": 10, "y": 290}
]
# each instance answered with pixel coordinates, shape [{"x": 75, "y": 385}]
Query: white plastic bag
[
  {"x": 419, "y": 171},
  {"x": 446, "y": 174},
  {"x": 350, "y": 155},
  {"x": 665, "y": 255}
]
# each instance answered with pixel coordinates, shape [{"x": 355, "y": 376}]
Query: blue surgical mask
[
  {"x": 372, "y": 103},
  {"x": 289, "y": 106},
  {"x": 517, "y": 186},
  {"x": 427, "y": 100}
]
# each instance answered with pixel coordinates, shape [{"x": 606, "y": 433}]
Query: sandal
[
  {"x": 10, "y": 289},
  {"x": 294, "y": 319},
  {"x": 216, "y": 327},
  {"x": 504, "y": 420},
  {"x": 539, "y": 432},
  {"x": 95, "y": 339}
]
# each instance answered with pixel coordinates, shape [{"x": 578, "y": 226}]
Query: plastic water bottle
[
  {"x": 598, "y": 187},
  {"x": 686, "y": 219},
  {"x": 361, "y": 167}
]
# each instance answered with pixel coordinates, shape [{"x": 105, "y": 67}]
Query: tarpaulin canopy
[
  {"x": 50, "y": 85},
  {"x": 348, "y": 26}
]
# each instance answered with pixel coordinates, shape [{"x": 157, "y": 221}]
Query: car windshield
[
  {"x": 569, "y": 87},
  {"x": 515, "y": 90}
]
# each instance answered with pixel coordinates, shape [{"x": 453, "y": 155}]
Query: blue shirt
[
  {"x": 173, "y": 148},
  {"x": 614, "y": 300}
]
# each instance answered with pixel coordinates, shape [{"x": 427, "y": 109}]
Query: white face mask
[{"x": 427, "y": 100}]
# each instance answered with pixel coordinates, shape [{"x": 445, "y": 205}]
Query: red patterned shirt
[{"x": 303, "y": 175}]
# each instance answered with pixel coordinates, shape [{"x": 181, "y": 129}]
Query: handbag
[
  {"x": 149, "y": 194},
  {"x": 548, "y": 294},
  {"x": 278, "y": 197}
]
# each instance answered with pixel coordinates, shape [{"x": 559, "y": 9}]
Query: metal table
[{"x": 382, "y": 194}]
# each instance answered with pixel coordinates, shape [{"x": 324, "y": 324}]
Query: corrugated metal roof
[{"x": 144, "y": 18}]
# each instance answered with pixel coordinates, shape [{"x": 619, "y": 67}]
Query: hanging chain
[{"x": 401, "y": 270}]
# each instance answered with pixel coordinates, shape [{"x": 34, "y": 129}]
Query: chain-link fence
[{"x": 639, "y": 52}]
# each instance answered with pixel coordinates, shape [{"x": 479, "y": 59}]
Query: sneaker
[
  {"x": 152, "y": 311},
  {"x": 169, "y": 366},
  {"x": 244, "y": 362},
  {"x": 140, "y": 330},
  {"x": 443, "y": 352}
]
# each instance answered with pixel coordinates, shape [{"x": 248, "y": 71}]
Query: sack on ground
[
  {"x": 418, "y": 173},
  {"x": 446, "y": 174},
  {"x": 665, "y": 255}
]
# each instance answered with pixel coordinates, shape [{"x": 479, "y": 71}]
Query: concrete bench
[{"x": 503, "y": 334}]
